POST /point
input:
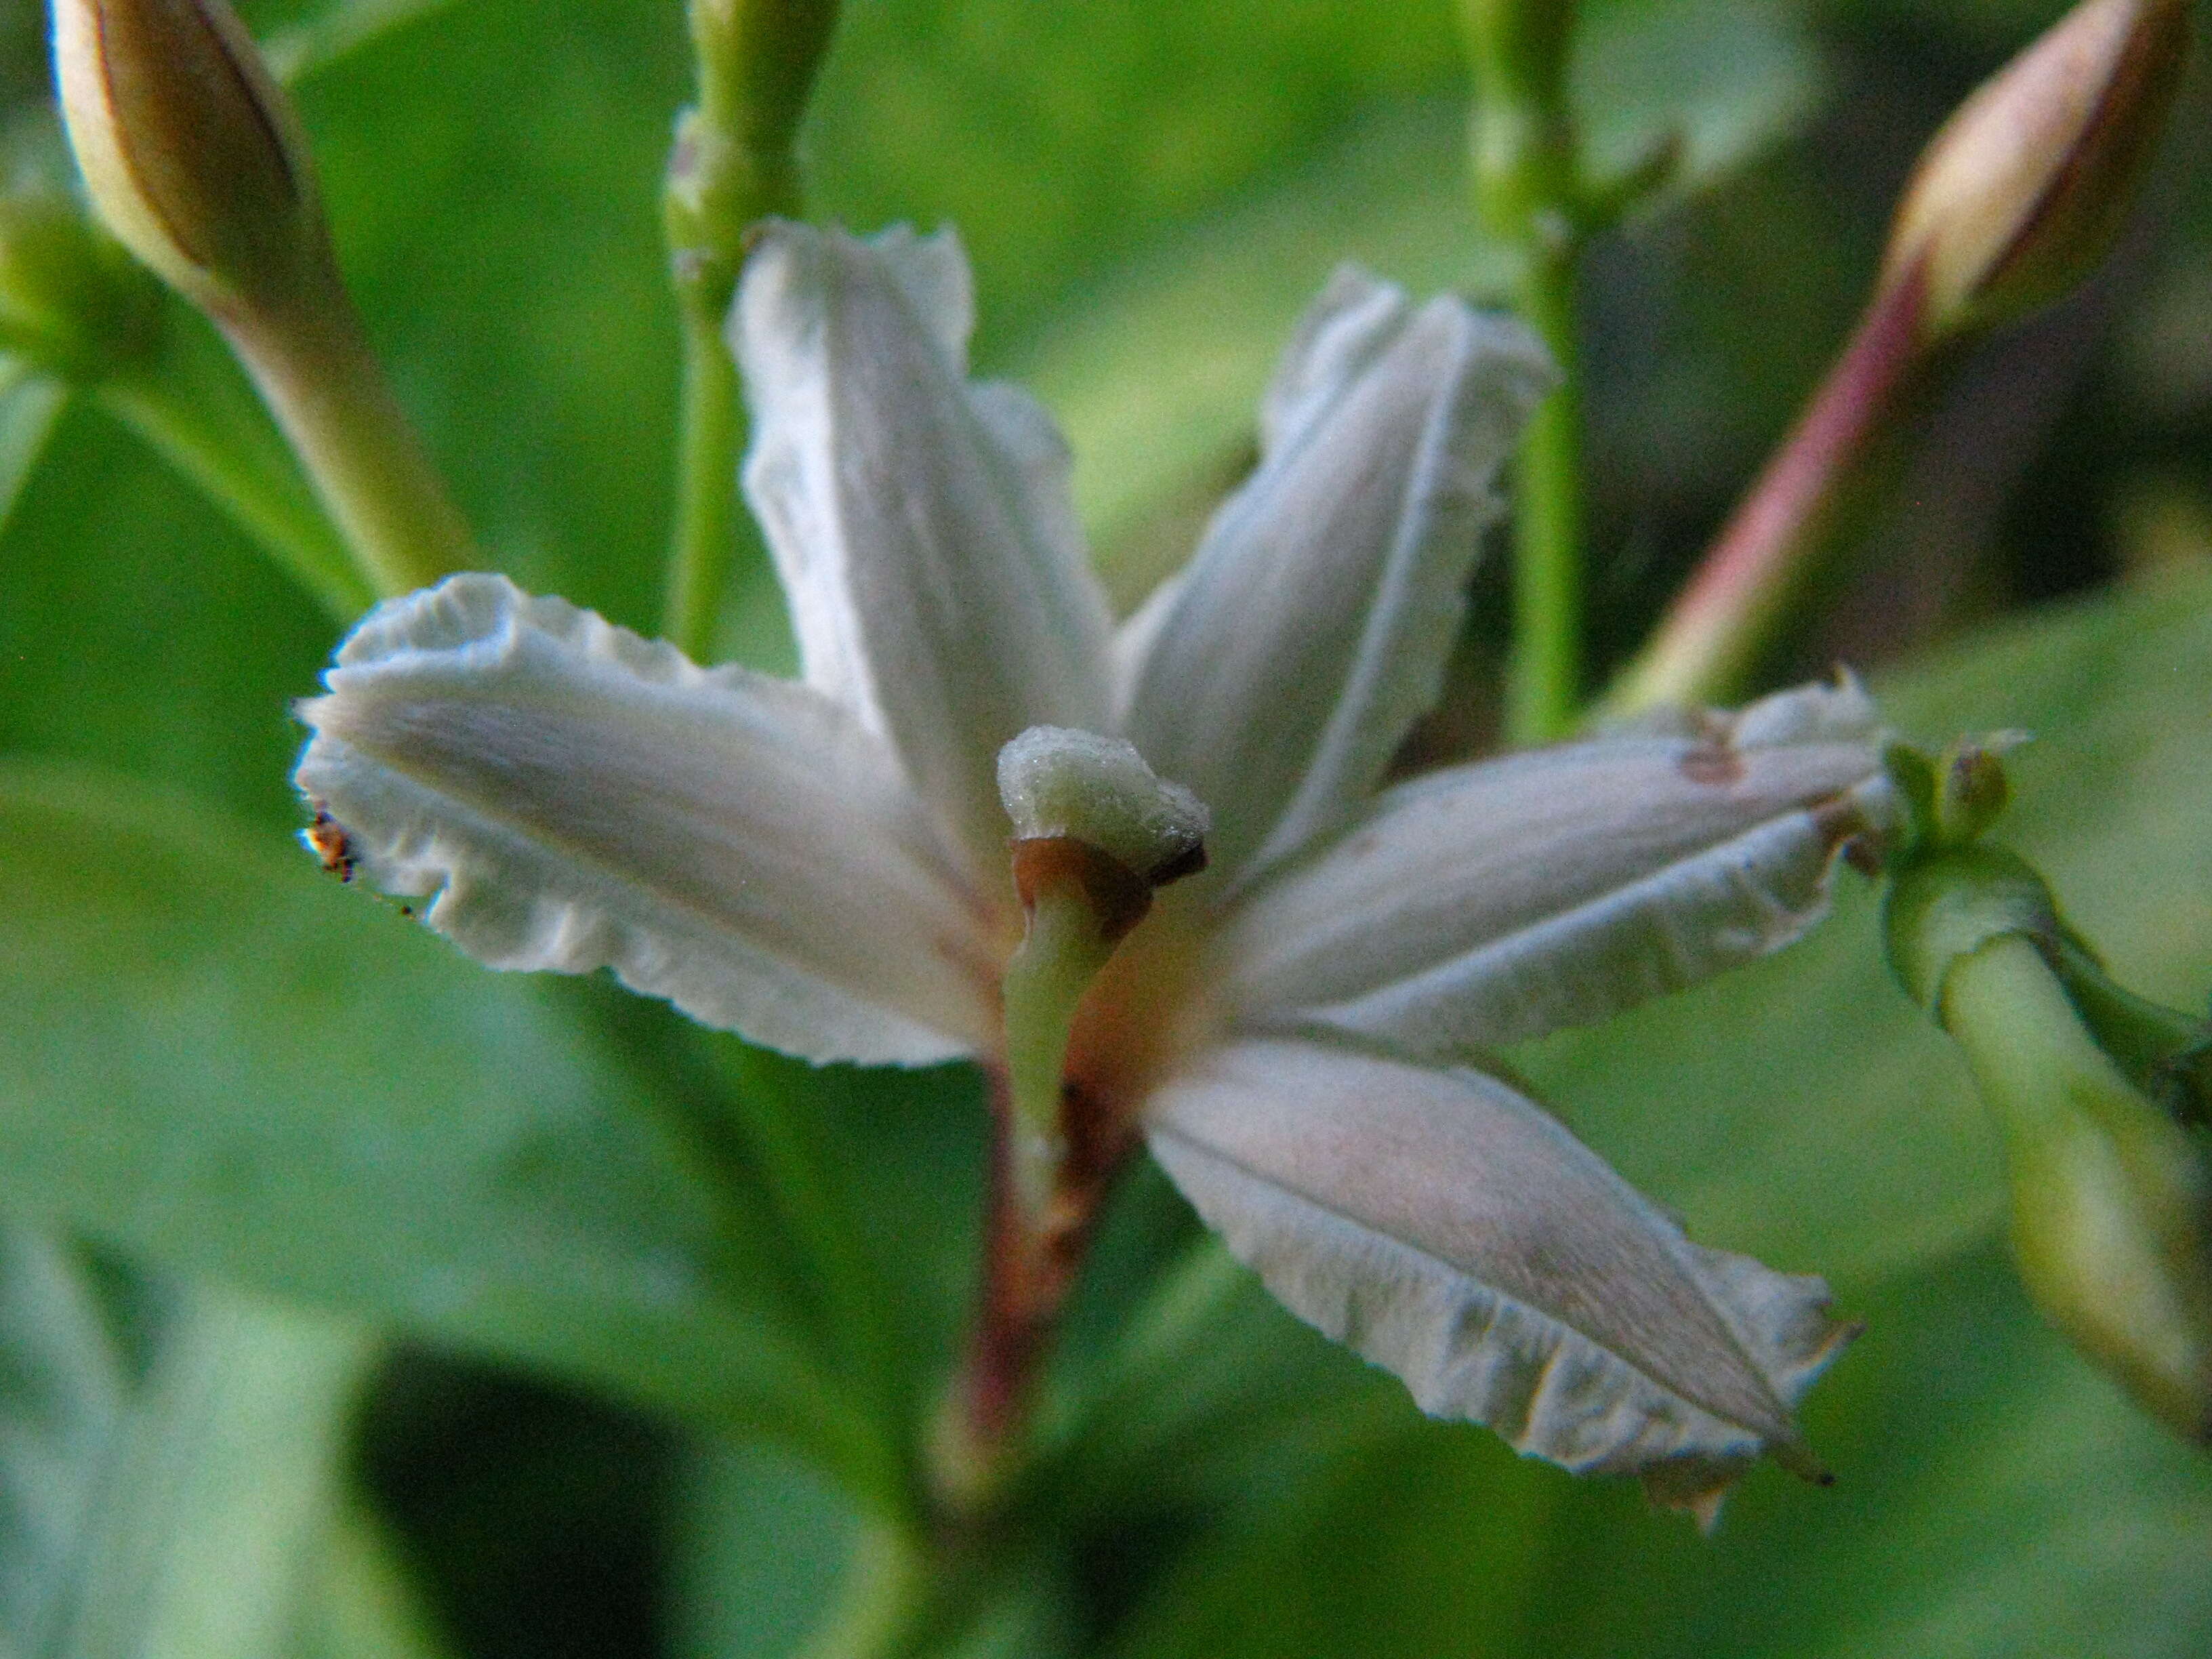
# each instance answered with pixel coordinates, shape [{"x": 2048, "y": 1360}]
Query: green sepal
[
  {"x": 1945, "y": 904},
  {"x": 2165, "y": 1053}
]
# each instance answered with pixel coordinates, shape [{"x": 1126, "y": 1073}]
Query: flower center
[{"x": 1094, "y": 833}]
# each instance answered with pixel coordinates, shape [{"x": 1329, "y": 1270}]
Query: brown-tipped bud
[
  {"x": 191, "y": 151},
  {"x": 2023, "y": 190},
  {"x": 71, "y": 300}
]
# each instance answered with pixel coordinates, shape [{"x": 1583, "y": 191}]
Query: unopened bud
[
  {"x": 1059, "y": 783},
  {"x": 71, "y": 300},
  {"x": 2023, "y": 190},
  {"x": 191, "y": 151},
  {"x": 2110, "y": 1200}
]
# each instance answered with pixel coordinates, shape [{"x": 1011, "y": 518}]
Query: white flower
[{"x": 823, "y": 866}]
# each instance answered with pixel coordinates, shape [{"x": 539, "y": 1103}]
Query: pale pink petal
[
  {"x": 920, "y": 523},
  {"x": 578, "y": 797},
  {"x": 1492, "y": 902},
  {"x": 1279, "y": 674},
  {"x": 1452, "y": 1232}
]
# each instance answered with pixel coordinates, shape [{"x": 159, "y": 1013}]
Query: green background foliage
[{"x": 358, "y": 1301}]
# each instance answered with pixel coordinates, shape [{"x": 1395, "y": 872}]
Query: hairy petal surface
[
  {"x": 579, "y": 798},
  {"x": 1449, "y": 1230},
  {"x": 1279, "y": 674},
  {"x": 920, "y": 524},
  {"x": 1494, "y": 902}
]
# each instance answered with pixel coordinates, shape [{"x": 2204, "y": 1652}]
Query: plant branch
[
  {"x": 732, "y": 164},
  {"x": 1711, "y": 638}
]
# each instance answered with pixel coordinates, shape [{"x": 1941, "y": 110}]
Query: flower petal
[
  {"x": 922, "y": 524},
  {"x": 578, "y": 798},
  {"x": 1492, "y": 903},
  {"x": 1449, "y": 1230},
  {"x": 1312, "y": 628}
]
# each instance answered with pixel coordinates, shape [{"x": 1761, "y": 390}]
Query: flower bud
[
  {"x": 1950, "y": 798},
  {"x": 71, "y": 300},
  {"x": 2025, "y": 187},
  {"x": 2110, "y": 1200},
  {"x": 190, "y": 152}
]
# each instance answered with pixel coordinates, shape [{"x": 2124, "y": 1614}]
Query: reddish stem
[
  {"x": 1028, "y": 1265},
  {"x": 1713, "y": 632}
]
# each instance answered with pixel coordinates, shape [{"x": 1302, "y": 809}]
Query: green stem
[
  {"x": 192, "y": 408},
  {"x": 1545, "y": 688},
  {"x": 327, "y": 390},
  {"x": 707, "y": 523},
  {"x": 732, "y": 164},
  {"x": 1529, "y": 186}
]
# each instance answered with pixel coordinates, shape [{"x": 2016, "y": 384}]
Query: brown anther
[{"x": 1117, "y": 895}]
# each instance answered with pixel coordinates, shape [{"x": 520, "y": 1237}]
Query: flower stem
[
  {"x": 1529, "y": 187},
  {"x": 1545, "y": 687},
  {"x": 1711, "y": 638},
  {"x": 323, "y": 383},
  {"x": 710, "y": 435},
  {"x": 733, "y": 163}
]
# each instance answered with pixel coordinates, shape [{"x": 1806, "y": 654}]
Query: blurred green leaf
[
  {"x": 359, "y": 1603},
  {"x": 296, "y": 50},
  {"x": 30, "y": 404},
  {"x": 1155, "y": 367},
  {"x": 1731, "y": 77},
  {"x": 220, "y": 1488},
  {"x": 194, "y": 404},
  {"x": 63, "y": 1390},
  {"x": 1996, "y": 1498},
  {"x": 197, "y": 1500},
  {"x": 139, "y": 630},
  {"x": 491, "y": 176},
  {"x": 226, "y": 1061},
  {"x": 758, "y": 1544}
]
